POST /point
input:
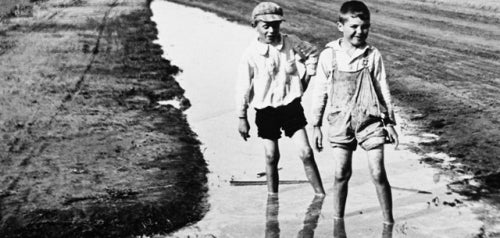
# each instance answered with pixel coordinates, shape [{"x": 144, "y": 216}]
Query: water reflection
[
  {"x": 272, "y": 223},
  {"x": 339, "y": 229},
  {"x": 312, "y": 217},
  {"x": 387, "y": 230},
  {"x": 310, "y": 220}
]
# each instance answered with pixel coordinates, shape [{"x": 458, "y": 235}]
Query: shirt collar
[
  {"x": 263, "y": 48},
  {"x": 359, "y": 51}
]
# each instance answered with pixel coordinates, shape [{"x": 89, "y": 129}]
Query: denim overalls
[{"x": 356, "y": 110}]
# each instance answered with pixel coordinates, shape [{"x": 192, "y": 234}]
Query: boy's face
[
  {"x": 355, "y": 31},
  {"x": 269, "y": 32}
]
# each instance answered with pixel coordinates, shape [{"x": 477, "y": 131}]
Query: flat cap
[{"x": 267, "y": 11}]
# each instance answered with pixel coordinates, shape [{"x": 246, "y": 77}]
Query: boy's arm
[
  {"x": 308, "y": 54},
  {"x": 320, "y": 96},
  {"x": 244, "y": 87},
  {"x": 320, "y": 90},
  {"x": 381, "y": 79}
]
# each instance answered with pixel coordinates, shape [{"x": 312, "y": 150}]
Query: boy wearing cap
[
  {"x": 274, "y": 72},
  {"x": 351, "y": 73}
]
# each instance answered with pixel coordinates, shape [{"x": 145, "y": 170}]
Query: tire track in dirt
[
  {"x": 76, "y": 90},
  {"x": 40, "y": 147},
  {"x": 38, "y": 139}
]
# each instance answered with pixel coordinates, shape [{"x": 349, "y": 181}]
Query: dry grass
[
  {"x": 8, "y": 7},
  {"x": 477, "y": 4}
]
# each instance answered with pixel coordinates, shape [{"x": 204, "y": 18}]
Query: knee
[
  {"x": 306, "y": 154},
  {"x": 272, "y": 158},
  {"x": 379, "y": 177},
  {"x": 343, "y": 176}
]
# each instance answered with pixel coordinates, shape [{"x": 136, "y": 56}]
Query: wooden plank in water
[
  {"x": 411, "y": 190},
  {"x": 254, "y": 183}
]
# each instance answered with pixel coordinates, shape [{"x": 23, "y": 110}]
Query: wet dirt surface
[
  {"x": 85, "y": 150},
  {"x": 425, "y": 205}
]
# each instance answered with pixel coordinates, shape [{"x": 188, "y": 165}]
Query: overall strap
[
  {"x": 334, "y": 63},
  {"x": 334, "y": 60},
  {"x": 365, "y": 59}
]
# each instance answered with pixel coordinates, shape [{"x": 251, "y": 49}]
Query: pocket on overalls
[
  {"x": 333, "y": 117},
  {"x": 339, "y": 125}
]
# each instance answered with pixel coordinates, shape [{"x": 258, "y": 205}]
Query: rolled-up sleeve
[
  {"x": 243, "y": 86},
  {"x": 308, "y": 52},
  {"x": 383, "y": 85},
  {"x": 320, "y": 90}
]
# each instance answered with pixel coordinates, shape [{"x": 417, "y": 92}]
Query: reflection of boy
[
  {"x": 310, "y": 220},
  {"x": 312, "y": 217},
  {"x": 352, "y": 73},
  {"x": 272, "y": 222},
  {"x": 339, "y": 229},
  {"x": 272, "y": 76}
]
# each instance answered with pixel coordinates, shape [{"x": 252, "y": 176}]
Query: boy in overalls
[
  {"x": 352, "y": 74},
  {"x": 272, "y": 76}
]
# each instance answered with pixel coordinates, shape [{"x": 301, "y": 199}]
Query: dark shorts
[{"x": 271, "y": 120}]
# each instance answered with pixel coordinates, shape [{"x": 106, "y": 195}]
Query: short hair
[{"x": 354, "y": 9}]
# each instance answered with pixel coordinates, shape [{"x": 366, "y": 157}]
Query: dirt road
[{"x": 85, "y": 151}]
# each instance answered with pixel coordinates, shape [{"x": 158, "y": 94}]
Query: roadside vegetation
[
  {"x": 85, "y": 150},
  {"x": 9, "y": 8}
]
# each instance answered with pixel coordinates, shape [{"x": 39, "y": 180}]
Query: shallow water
[{"x": 207, "y": 48}]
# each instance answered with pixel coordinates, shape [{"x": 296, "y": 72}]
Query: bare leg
[
  {"x": 379, "y": 178},
  {"x": 339, "y": 228},
  {"x": 307, "y": 157},
  {"x": 343, "y": 171},
  {"x": 272, "y": 154}
]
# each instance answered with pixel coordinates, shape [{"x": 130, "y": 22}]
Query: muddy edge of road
[{"x": 85, "y": 149}]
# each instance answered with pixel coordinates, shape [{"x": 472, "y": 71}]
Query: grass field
[{"x": 7, "y": 6}]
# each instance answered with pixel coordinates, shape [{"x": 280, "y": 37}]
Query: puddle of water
[
  {"x": 208, "y": 49},
  {"x": 173, "y": 103}
]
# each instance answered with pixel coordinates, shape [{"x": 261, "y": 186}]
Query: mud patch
[{"x": 480, "y": 186}]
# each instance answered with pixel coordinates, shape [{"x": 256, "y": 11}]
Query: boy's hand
[
  {"x": 318, "y": 138},
  {"x": 305, "y": 49},
  {"x": 392, "y": 135},
  {"x": 244, "y": 128}
]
